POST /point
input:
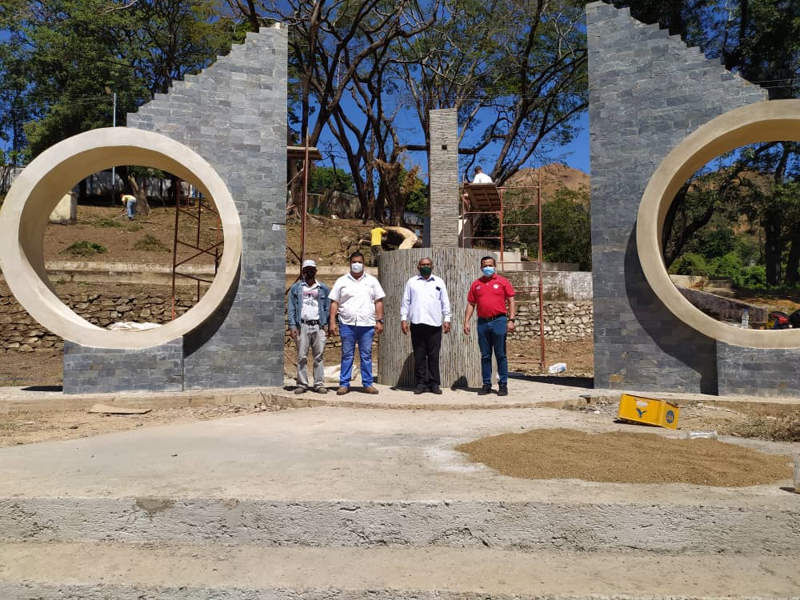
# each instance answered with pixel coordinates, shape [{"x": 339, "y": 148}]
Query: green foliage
[
  {"x": 65, "y": 57},
  {"x": 689, "y": 264},
  {"x": 725, "y": 267},
  {"x": 106, "y": 222},
  {"x": 84, "y": 249},
  {"x": 752, "y": 278},
  {"x": 322, "y": 179},
  {"x": 414, "y": 191},
  {"x": 150, "y": 243},
  {"x": 566, "y": 229}
]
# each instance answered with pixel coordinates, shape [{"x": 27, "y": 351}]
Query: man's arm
[
  {"x": 512, "y": 314},
  {"x": 446, "y": 314},
  {"x": 379, "y": 315},
  {"x": 333, "y": 329},
  {"x": 294, "y": 324},
  {"x": 468, "y": 316},
  {"x": 405, "y": 305}
]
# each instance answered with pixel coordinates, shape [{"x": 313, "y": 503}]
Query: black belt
[
  {"x": 492, "y": 318},
  {"x": 314, "y": 322}
]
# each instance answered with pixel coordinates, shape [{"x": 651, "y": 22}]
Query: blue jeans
[
  {"x": 130, "y": 209},
  {"x": 352, "y": 335},
  {"x": 492, "y": 336}
]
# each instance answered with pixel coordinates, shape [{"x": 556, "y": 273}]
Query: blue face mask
[{"x": 488, "y": 271}]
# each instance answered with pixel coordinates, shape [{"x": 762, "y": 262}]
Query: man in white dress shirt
[
  {"x": 356, "y": 308},
  {"x": 426, "y": 307},
  {"x": 481, "y": 177}
]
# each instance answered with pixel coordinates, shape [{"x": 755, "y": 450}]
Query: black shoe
[
  {"x": 435, "y": 389},
  {"x": 486, "y": 389},
  {"x": 502, "y": 390},
  {"x": 420, "y": 389}
]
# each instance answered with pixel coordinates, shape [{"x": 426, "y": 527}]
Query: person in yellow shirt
[
  {"x": 129, "y": 200},
  {"x": 378, "y": 234}
]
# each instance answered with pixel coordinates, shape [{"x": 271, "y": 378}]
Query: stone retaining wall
[
  {"x": 564, "y": 321},
  {"x": 19, "y": 332}
]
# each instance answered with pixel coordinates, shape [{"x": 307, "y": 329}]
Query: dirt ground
[
  {"x": 623, "y": 457},
  {"x": 109, "y": 227}
]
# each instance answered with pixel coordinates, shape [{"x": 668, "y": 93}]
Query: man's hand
[
  {"x": 293, "y": 333},
  {"x": 446, "y": 327},
  {"x": 466, "y": 327},
  {"x": 333, "y": 329},
  {"x": 404, "y": 327},
  {"x": 378, "y": 328},
  {"x": 510, "y": 326}
]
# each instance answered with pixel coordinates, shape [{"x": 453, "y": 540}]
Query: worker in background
[
  {"x": 481, "y": 177},
  {"x": 378, "y": 234},
  {"x": 129, "y": 200}
]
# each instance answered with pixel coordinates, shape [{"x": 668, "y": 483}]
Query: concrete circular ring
[
  {"x": 766, "y": 121},
  {"x": 37, "y": 190}
]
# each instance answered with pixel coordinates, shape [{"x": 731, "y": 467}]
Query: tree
[
  {"x": 78, "y": 52},
  {"x": 516, "y": 72},
  {"x": 322, "y": 179},
  {"x": 566, "y": 229}
]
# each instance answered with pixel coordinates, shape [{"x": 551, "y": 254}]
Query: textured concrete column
[
  {"x": 443, "y": 167},
  {"x": 648, "y": 90},
  {"x": 460, "y": 357}
]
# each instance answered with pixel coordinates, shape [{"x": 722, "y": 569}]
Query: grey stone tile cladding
[
  {"x": 648, "y": 90},
  {"x": 443, "y": 161},
  {"x": 234, "y": 115}
]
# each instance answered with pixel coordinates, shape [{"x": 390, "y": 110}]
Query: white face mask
[{"x": 356, "y": 267}]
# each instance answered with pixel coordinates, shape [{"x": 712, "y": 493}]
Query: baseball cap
[{"x": 309, "y": 263}]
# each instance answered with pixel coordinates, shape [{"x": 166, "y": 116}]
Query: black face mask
[{"x": 425, "y": 271}]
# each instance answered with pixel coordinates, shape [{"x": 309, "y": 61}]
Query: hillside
[{"x": 554, "y": 176}]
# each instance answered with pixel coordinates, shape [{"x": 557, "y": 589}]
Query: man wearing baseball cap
[{"x": 309, "y": 310}]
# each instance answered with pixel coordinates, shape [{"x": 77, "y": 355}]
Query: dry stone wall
[
  {"x": 102, "y": 305},
  {"x": 20, "y": 333}
]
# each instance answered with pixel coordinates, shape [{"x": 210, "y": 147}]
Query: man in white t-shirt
[
  {"x": 481, "y": 177},
  {"x": 356, "y": 311}
]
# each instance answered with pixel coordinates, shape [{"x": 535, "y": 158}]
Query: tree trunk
[
  {"x": 773, "y": 248},
  {"x": 460, "y": 358},
  {"x": 791, "y": 277}
]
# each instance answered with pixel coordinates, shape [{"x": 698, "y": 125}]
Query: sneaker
[
  {"x": 502, "y": 390},
  {"x": 300, "y": 389},
  {"x": 486, "y": 389},
  {"x": 342, "y": 390},
  {"x": 435, "y": 389},
  {"x": 321, "y": 389},
  {"x": 420, "y": 389},
  {"x": 370, "y": 390}
]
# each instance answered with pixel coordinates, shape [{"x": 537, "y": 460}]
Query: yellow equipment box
[{"x": 648, "y": 411}]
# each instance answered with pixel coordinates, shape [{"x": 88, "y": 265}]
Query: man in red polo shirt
[{"x": 493, "y": 295}]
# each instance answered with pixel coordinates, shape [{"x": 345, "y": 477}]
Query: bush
[
  {"x": 106, "y": 222},
  {"x": 728, "y": 266},
  {"x": 754, "y": 277},
  {"x": 689, "y": 264},
  {"x": 84, "y": 249},
  {"x": 150, "y": 243}
]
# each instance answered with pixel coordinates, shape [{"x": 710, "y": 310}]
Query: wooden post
[{"x": 460, "y": 359}]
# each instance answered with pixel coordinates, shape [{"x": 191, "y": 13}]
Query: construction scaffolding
[
  {"x": 195, "y": 245},
  {"x": 488, "y": 200}
]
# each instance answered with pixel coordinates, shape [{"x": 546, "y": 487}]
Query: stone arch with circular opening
[
  {"x": 38, "y": 189},
  {"x": 760, "y": 122}
]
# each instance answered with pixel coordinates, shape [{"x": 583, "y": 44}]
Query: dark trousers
[{"x": 427, "y": 341}]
